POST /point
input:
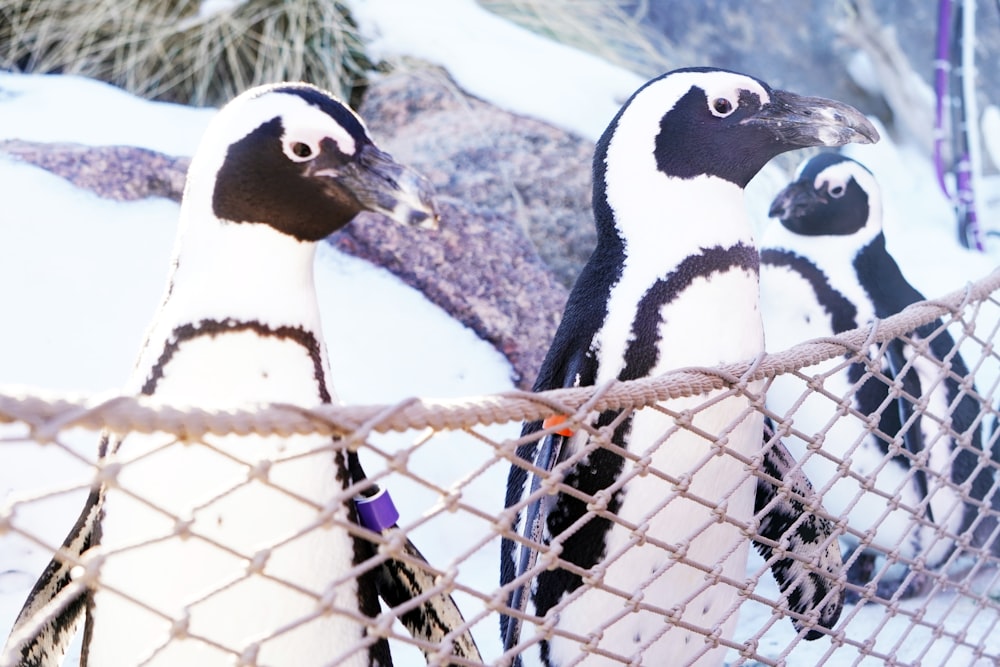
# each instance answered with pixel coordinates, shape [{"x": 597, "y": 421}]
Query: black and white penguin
[
  {"x": 242, "y": 548},
  {"x": 825, "y": 269},
  {"x": 646, "y": 558}
]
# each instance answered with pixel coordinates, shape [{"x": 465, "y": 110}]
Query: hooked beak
[
  {"x": 813, "y": 121},
  {"x": 382, "y": 185}
]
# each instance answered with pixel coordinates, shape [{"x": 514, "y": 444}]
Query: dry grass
[
  {"x": 163, "y": 49},
  {"x": 596, "y": 26},
  {"x": 166, "y": 50}
]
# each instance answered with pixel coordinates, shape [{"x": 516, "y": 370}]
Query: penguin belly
[
  {"x": 842, "y": 436},
  {"x": 228, "y": 544},
  {"x": 796, "y": 317},
  {"x": 644, "y": 566},
  {"x": 641, "y": 562},
  {"x": 946, "y": 503},
  {"x": 846, "y": 436},
  {"x": 878, "y": 494}
]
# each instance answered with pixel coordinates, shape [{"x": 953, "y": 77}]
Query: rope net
[{"x": 917, "y": 526}]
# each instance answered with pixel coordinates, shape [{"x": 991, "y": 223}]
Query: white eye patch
[
  {"x": 835, "y": 184},
  {"x": 838, "y": 176},
  {"x": 722, "y": 106},
  {"x": 300, "y": 151},
  {"x": 306, "y": 127},
  {"x": 723, "y": 91}
]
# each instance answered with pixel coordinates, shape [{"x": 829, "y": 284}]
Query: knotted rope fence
[{"x": 445, "y": 462}]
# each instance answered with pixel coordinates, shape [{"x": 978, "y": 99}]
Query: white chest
[
  {"x": 240, "y": 538},
  {"x": 715, "y": 320},
  {"x": 669, "y": 521},
  {"x": 242, "y": 366}
]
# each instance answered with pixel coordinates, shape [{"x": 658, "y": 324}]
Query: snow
[
  {"x": 496, "y": 60},
  {"x": 80, "y": 278},
  {"x": 75, "y": 109}
]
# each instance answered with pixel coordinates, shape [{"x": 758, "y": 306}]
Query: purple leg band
[{"x": 378, "y": 512}]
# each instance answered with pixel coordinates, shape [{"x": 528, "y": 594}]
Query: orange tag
[{"x": 555, "y": 420}]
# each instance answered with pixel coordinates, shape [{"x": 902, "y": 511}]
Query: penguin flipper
[
  {"x": 400, "y": 580},
  {"x": 809, "y": 580},
  {"x": 567, "y": 365},
  {"x": 913, "y": 436},
  {"x": 435, "y": 617},
  {"x": 55, "y": 608},
  {"x": 545, "y": 458}
]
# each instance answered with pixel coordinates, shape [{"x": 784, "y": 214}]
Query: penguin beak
[
  {"x": 796, "y": 200},
  {"x": 813, "y": 121},
  {"x": 382, "y": 185}
]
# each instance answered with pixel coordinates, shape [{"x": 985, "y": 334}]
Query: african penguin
[
  {"x": 672, "y": 283},
  {"x": 825, "y": 269},
  {"x": 242, "y": 548}
]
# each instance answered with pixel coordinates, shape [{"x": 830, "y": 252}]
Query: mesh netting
[{"x": 919, "y": 566}]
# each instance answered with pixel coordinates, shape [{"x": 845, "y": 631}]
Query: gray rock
[
  {"x": 503, "y": 181},
  {"x": 122, "y": 173},
  {"x": 490, "y": 159},
  {"x": 480, "y": 268}
]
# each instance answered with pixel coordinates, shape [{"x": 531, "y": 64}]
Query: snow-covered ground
[{"x": 80, "y": 278}]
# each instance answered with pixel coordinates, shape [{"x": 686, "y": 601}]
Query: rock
[
  {"x": 480, "y": 268},
  {"x": 490, "y": 159},
  {"x": 122, "y": 173},
  {"x": 516, "y": 216}
]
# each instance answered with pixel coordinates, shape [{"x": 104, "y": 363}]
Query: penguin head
[
  {"x": 832, "y": 195},
  {"x": 713, "y": 122},
  {"x": 295, "y": 158}
]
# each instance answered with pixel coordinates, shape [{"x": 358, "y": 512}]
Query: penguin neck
[
  {"x": 663, "y": 221},
  {"x": 243, "y": 271},
  {"x": 660, "y": 229},
  {"x": 245, "y": 281}
]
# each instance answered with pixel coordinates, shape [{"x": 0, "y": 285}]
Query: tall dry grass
[
  {"x": 203, "y": 52},
  {"x": 176, "y": 51},
  {"x": 599, "y": 27}
]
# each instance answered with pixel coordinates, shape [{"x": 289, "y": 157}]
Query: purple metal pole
[{"x": 942, "y": 66}]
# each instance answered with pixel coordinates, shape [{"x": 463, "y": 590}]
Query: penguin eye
[
  {"x": 837, "y": 191},
  {"x": 299, "y": 151},
  {"x": 722, "y": 107}
]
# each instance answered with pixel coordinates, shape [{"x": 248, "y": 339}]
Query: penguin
[
  {"x": 825, "y": 269},
  {"x": 645, "y": 537},
  {"x": 244, "y": 548}
]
